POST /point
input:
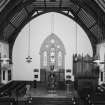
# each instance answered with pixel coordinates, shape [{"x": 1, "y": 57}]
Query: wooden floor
[{"x": 42, "y": 92}]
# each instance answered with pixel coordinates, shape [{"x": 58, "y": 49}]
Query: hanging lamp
[
  {"x": 28, "y": 58},
  {"x": 52, "y": 23},
  {"x": 75, "y": 56},
  {"x": 97, "y": 59},
  {"x": 5, "y": 60}
]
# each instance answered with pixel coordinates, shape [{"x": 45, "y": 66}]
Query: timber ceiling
[{"x": 89, "y": 14}]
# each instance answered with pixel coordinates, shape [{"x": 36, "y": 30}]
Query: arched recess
[
  {"x": 66, "y": 35},
  {"x": 13, "y": 37},
  {"x": 23, "y": 12}
]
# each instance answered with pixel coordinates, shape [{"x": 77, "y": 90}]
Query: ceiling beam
[
  {"x": 60, "y": 3},
  {"x": 92, "y": 25},
  {"x": 93, "y": 38},
  {"x": 45, "y": 3}
]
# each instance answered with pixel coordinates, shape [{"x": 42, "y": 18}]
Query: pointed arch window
[{"x": 52, "y": 52}]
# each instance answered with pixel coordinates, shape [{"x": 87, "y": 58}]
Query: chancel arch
[
  {"x": 26, "y": 10},
  {"x": 59, "y": 45}
]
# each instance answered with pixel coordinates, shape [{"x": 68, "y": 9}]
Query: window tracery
[{"x": 53, "y": 53}]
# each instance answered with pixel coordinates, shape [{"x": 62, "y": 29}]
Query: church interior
[{"x": 52, "y": 52}]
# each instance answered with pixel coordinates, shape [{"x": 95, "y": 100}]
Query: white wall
[
  {"x": 4, "y": 49},
  {"x": 64, "y": 27}
]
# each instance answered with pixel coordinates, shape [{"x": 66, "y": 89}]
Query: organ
[{"x": 86, "y": 73}]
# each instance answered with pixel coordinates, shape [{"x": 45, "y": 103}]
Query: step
[{"x": 53, "y": 101}]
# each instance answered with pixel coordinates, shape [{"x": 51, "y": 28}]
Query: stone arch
[{"x": 84, "y": 14}]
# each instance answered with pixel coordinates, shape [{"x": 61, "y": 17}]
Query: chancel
[
  {"x": 52, "y": 52},
  {"x": 52, "y": 60}
]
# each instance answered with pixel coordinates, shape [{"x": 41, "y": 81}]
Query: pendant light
[
  {"x": 52, "y": 23},
  {"x": 97, "y": 57},
  {"x": 75, "y": 57},
  {"x": 28, "y": 58},
  {"x": 5, "y": 58}
]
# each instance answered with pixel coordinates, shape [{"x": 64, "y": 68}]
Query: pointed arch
[{"x": 52, "y": 53}]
